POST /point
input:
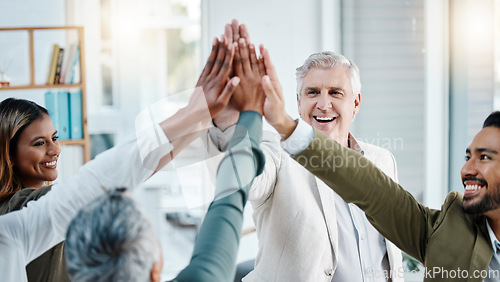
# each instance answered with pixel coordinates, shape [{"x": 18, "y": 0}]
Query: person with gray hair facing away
[
  {"x": 306, "y": 232},
  {"x": 110, "y": 240}
]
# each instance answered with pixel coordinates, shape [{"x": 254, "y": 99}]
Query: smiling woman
[
  {"x": 29, "y": 151},
  {"x": 36, "y": 153}
]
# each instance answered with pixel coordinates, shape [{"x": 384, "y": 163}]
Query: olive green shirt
[{"x": 450, "y": 243}]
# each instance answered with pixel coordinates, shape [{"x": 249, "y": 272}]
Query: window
[{"x": 386, "y": 41}]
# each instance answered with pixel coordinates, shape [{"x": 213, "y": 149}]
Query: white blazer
[{"x": 295, "y": 217}]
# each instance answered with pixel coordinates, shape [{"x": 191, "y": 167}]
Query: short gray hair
[
  {"x": 329, "y": 60},
  {"x": 110, "y": 240}
]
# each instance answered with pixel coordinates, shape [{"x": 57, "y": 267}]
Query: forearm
[
  {"x": 187, "y": 120},
  {"x": 183, "y": 127},
  {"x": 392, "y": 210},
  {"x": 216, "y": 247}
]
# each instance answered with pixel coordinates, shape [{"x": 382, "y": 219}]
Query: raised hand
[
  {"x": 214, "y": 79},
  {"x": 274, "y": 105},
  {"x": 249, "y": 95},
  {"x": 229, "y": 115}
]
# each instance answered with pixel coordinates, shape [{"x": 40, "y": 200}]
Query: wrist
[
  {"x": 252, "y": 108},
  {"x": 285, "y": 126}
]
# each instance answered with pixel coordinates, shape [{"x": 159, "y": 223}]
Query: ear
[
  {"x": 357, "y": 103},
  {"x": 298, "y": 102},
  {"x": 156, "y": 271}
]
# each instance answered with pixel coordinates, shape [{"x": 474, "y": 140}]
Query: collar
[
  {"x": 354, "y": 145},
  {"x": 495, "y": 243},
  {"x": 221, "y": 138}
]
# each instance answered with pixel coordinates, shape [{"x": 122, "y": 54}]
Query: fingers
[
  {"x": 228, "y": 32},
  {"x": 238, "y": 68},
  {"x": 270, "y": 70},
  {"x": 236, "y": 30},
  {"x": 253, "y": 59},
  {"x": 221, "y": 53},
  {"x": 227, "y": 63},
  {"x": 262, "y": 68},
  {"x": 244, "y": 33},
  {"x": 225, "y": 96},
  {"x": 269, "y": 91},
  {"x": 211, "y": 58},
  {"x": 244, "y": 56}
]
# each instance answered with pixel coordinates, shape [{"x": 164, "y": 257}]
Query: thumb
[
  {"x": 229, "y": 90},
  {"x": 223, "y": 99},
  {"x": 269, "y": 90}
]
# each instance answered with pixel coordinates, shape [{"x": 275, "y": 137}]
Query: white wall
[
  {"x": 26, "y": 13},
  {"x": 31, "y": 13}
]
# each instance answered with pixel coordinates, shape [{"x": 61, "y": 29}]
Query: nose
[
  {"x": 54, "y": 148},
  {"x": 469, "y": 168},
  {"x": 324, "y": 102}
]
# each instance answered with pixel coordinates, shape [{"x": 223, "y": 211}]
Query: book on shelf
[
  {"x": 68, "y": 63},
  {"x": 65, "y": 110},
  {"x": 75, "y": 115},
  {"x": 60, "y": 57},
  {"x": 57, "y": 103},
  {"x": 53, "y": 64},
  {"x": 74, "y": 78}
]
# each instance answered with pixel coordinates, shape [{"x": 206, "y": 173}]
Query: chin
[{"x": 51, "y": 178}]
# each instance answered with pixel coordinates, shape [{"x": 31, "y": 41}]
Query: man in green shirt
[{"x": 458, "y": 242}]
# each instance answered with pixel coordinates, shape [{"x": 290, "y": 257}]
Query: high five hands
[
  {"x": 214, "y": 79},
  {"x": 234, "y": 75}
]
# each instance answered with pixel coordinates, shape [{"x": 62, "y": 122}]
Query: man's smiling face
[
  {"x": 481, "y": 173},
  {"x": 326, "y": 101}
]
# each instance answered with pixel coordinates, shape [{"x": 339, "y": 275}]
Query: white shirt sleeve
[
  {"x": 301, "y": 137},
  {"x": 29, "y": 232}
]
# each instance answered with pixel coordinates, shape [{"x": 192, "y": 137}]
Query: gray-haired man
[{"x": 306, "y": 232}]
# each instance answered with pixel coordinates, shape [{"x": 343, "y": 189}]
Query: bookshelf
[{"x": 85, "y": 141}]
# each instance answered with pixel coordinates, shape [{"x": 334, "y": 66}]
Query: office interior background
[{"x": 429, "y": 71}]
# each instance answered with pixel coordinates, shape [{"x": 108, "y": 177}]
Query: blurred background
[{"x": 429, "y": 73}]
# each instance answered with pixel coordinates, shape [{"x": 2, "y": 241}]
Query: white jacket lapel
[{"x": 328, "y": 208}]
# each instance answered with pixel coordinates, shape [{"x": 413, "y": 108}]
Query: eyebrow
[
  {"x": 329, "y": 88},
  {"x": 481, "y": 150},
  {"x": 36, "y": 138},
  {"x": 487, "y": 150},
  {"x": 311, "y": 88},
  {"x": 42, "y": 137}
]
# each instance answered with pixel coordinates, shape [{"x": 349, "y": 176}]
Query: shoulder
[
  {"x": 452, "y": 212},
  {"x": 380, "y": 157},
  {"x": 453, "y": 198},
  {"x": 452, "y": 206},
  {"x": 21, "y": 198}
]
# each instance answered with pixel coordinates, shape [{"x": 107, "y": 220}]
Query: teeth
[
  {"x": 472, "y": 187},
  {"x": 50, "y": 163},
  {"x": 324, "y": 118}
]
